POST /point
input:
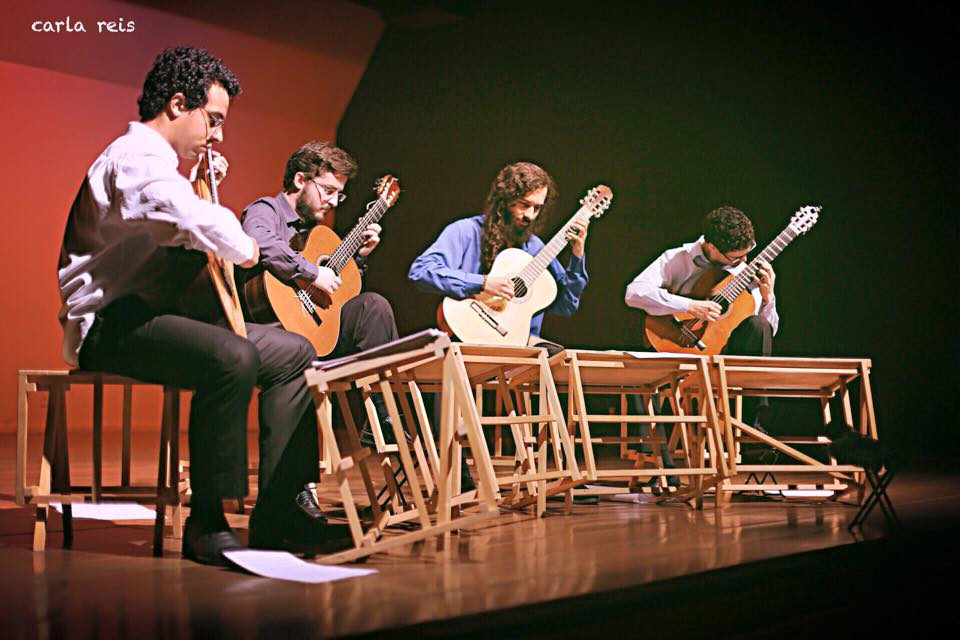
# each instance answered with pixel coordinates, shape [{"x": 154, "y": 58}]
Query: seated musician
[
  {"x": 517, "y": 204},
  {"x": 121, "y": 274},
  {"x": 663, "y": 287},
  {"x": 313, "y": 183}
]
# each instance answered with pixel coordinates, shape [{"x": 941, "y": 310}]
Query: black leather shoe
[
  {"x": 307, "y": 503},
  {"x": 207, "y": 547},
  {"x": 291, "y": 528}
]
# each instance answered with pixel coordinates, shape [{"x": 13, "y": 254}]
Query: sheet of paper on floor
[{"x": 285, "y": 566}]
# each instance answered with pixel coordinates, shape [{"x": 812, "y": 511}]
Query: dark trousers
[
  {"x": 753, "y": 337},
  {"x": 366, "y": 321},
  {"x": 129, "y": 338}
]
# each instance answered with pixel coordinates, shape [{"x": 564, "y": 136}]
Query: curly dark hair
[
  {"x": 185, "y": 70},
  {"x": 728, "y": 229},
  {"x": 514, "y": 181},
  {"x": 314, "y": 158}
]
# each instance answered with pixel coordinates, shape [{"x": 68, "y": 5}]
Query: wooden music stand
[
  {"x": 737, "y": 377},
  {"x": 653, "y": 377},
  {"x": 470, "y": 370},
  {"x": 379, "y": 369}
]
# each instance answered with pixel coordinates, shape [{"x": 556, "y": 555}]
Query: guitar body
[
  {"x": 494, "y": 321},
  {"x": 268, "y": 299},
  {"x": 664, "y": 332}
]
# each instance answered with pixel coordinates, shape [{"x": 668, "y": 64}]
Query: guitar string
[
  {"x": 550, "y": 250},
  {"x": 347, "y": 248},
  {"x": 739, "y": 282}
]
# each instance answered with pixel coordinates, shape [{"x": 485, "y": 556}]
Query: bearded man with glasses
[{"x": 313, "y": 183}]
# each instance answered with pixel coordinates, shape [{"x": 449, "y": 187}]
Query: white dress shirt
[
  {"x": 662, "y": 287},
  {"x": 132, "y": 203}
]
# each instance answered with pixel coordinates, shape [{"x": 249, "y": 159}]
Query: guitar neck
[
  {"x": 353, "y": 240},
  {"x": 549, "y": 251},
  {"x": 743, "y": 279}
]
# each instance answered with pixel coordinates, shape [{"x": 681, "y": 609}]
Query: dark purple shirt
[{"x": 273, "y": 223}]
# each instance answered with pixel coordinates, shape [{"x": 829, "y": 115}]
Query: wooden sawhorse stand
[
  {"x": 467, "y": 372},
  {"x": 379, "y": 369},
  {"x": 652, "y": 376},
  {"x": 736, "y": 377}
]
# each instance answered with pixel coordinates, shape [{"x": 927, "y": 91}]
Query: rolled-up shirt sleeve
[
  {"x": 439, "y": 268},
  {"x": 769, "y": 313},
  {"x": 649, "y": 290},
  {"x": 260, "y": 221},
  {"x": 570, "y": 284},
  {"x": 151, "y": 193}
]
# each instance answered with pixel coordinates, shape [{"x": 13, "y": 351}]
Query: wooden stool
[
  {"x": 54, "y": 482},
  {"x": 429, "y": 480}
]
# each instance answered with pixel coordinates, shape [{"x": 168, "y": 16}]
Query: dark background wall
[{"x": 681, "y": 107}]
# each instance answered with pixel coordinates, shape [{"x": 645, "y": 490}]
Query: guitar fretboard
[
  {"x": 743, "y": 279},
  {"x": 348, "y": 247}
]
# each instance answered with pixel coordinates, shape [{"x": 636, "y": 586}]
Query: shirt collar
[
  {"x": 153, "y": 140},
  {"x": 290, "y": 217},
  {"x": 695, "y": 249}
]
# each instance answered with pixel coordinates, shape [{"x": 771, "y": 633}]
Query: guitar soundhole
[{"x": 519, "y": 288}]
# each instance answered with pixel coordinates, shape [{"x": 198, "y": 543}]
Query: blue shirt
[{"x": 451, "y": 267}]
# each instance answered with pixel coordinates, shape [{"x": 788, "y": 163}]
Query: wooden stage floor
[{"x": 752, "y": 569}]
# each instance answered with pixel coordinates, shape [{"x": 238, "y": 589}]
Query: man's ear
[
  {"x": 176, "y": 106},
  {"x": 299, "y": 180}
]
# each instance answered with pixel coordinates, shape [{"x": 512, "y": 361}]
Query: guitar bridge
[
  {"x": 308, "y": 306},
  {"x": 486, "y": 317}
]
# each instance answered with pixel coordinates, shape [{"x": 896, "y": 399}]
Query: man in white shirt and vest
[
  {"x": 135, "y": 237},
  {"x": 663, "y": 288}
]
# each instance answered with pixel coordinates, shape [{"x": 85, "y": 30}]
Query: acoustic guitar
[
  {"x": 268, "y": 299},
  {"x": 213, "y": 295},
  {"x": 486, "y": 320},
  {"x": 682, "y": 333}
]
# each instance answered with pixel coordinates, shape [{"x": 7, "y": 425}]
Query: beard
[
  {"x": 516, "y": 234},
  {"x": 307, "y": 214}
]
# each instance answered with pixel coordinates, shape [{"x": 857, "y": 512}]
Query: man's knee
[
  {"x": 759, "y": 325},
  {"x": 238, "y": 361},
  {"x": 296, "y": 349},
  {"x": 375, "y": 304}
]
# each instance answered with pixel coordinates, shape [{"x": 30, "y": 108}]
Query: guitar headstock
[
  {"x": 597, "y": 201},
  {"x": 388, "y": 189},
  {"x": 804, "y": 218}
]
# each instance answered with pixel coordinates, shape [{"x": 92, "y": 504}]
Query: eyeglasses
[
  {"x": 326, "y": 193},
  {"x": 214, "y": 120},
  {"x": 741, "y": 258}
]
